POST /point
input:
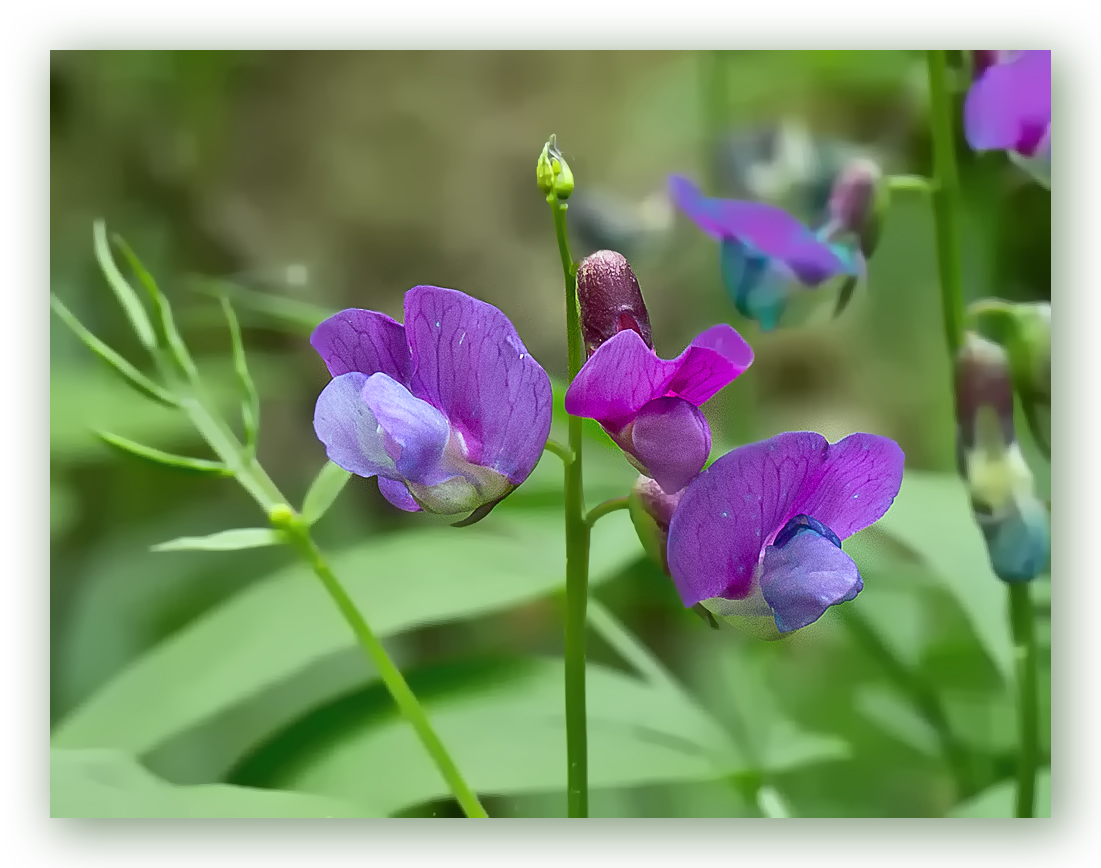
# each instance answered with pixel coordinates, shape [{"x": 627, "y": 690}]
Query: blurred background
[{"x": 301, "y": 183}]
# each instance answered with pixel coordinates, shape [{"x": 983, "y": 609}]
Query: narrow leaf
[
  {"x": 180, "y": 462},
  {"x": 250, "y": 405},
  {"x": 223, "y": 541},
  {"x": 301, "y": 317},
  {"x": 324, "y": 491},
  {"x": 129, "y": 300},
  {"x": 129, "y": 373},
  {"x": 164, "y": 309}
]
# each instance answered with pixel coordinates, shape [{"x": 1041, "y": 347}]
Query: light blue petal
[
  {"x": 759, "y": 290},
  {"x": 416, "y": 432},
  {"x": 349, "y": 430}
]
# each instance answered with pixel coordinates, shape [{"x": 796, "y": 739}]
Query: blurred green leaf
[
  {"x": 250, "y": 402},
  {"x": 897, "y": 717},
  {"x": 130, "y": 374},
  {"x": 110, "y": 783},
  {"x": 129, "y": 300},
  {"x": 932, "y": 514},
  {"x": 301, "y": 317},
  {"x": 178, "y": 462},
  {"x": 507, "y": 734},
  {"x": 1000, "y": 800},
  {"x": 324, "y": 490},
  {"x": 224, "y": 541},
  {"x": 280, "y": 626}
]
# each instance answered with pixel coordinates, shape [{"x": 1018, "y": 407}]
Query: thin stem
[
  {"x": 561, "y": 450},
  {"x": 605, "y": 508},
  {"x": 921, "y": 694},
  {"x": 299, "y": 536},
  {"x": 577, "y": 551},
  {"x": 946, "y": 201},
  {"x": 1024, "y": 646}
]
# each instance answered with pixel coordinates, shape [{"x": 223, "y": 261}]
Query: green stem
[
  {"x": 603, "y": 509},
  {"x": 577, "y": 551},
  {"x": 922, "y": 695},
  {"x": 946, "y": 201},
  {"x": 915, "y": 183},
  {"x": 560, "y": 449},
  {"x": 1024, "y": 646},
  {"x": 299, "y": 536}
]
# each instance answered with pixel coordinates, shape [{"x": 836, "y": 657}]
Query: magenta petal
[
  {"x": 364, "y": 341},
  {"x": 1009, "y": 107},
  {"x": 714, "y": 359},
  {"x": 470, "y": 363},
  {"x": 672, "y": 438},
  {"x": 398, "y": 495},
  {"x": 619, "y": 378},
  {"x": 735, "y": 507}
]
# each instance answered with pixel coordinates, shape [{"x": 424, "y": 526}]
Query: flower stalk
[
  {"x": 577, "y": 531},
  {"x": 946, "y": 214}
]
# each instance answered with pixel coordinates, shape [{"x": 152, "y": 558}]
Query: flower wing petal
[
  {"x": 364, "y": 341},
  {"x": 672, "y": 438}
]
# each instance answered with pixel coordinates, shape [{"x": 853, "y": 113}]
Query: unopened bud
[
  {"x": 610, "y": 299},
  {"x": 857, "y": 204},
  {"x": 984, "y": 394},
  {"x": 651, "y": 511},
  {"x": 552, "y": 172}
]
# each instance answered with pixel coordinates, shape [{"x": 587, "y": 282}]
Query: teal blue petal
[{"x": 758, "y": 291}]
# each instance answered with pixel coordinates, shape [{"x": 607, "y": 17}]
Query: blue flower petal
[
  {"x": 804, "y": 572},
  {"x": 415, "y": 432},
  {"x": 758, "y": 290},
  {"x": 1019, "y": 542}
]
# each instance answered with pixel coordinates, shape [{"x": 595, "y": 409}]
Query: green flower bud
[
  {"x": 651, "y": 510},
  {"x": 552, "y": 172}
]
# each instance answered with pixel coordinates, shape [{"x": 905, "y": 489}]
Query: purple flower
[
  {"x": 756, "y": 538},
  {"x": 764, "y": 250},
  {"x": 1009, "y": 109},
  {"x": 449, "y": 411},
  {"x": 650, "y": 406}
]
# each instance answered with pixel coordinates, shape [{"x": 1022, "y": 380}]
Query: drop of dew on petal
[
  {"x": 462, "y": 338},
  {"x": 726, "y": 515},
  {"x": 437, "y": 323}
]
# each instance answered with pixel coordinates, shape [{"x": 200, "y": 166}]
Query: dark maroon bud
[
  {"x": 610, "y": 299},
  {"x": 984, "y": 381}
]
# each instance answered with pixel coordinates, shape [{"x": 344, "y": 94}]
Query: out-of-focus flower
[
  {"x": 649, "y": 406},
  {"x": 449, "y": 411},
  {"x": 1011, "y": 517},
  {"x": 766, "y": 254},
  {"x": 756, "y": 538},
  {"x": 1008, "y": 108}
]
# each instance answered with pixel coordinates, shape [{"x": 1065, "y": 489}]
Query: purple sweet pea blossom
[
  {"x": 764, "y": 250},
  {"x": 1008, "y": 108},
  {"x": 756, "y": 538},
  {"x": 449, "y": 411},
  {"x": 650, "y": 406}
]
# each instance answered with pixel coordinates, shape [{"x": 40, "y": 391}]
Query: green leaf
[
  {"x": 897, "y": 717},
  {"x": 507, "y": 734},
  {"x": 399, "y": 581},
  {"x": 301, "y": 317},
  {"x": 250, "y": 405},
  {"x": 324, "y": 490},
  {"x": 129, "y": 300},
  {"x": 164, "y": 309},
  {"x": 110, "y": 783},
  {"x": 1000, "y": 800},
  {"x": 226, "y": 540},
  {"x": 179, "y": 462},
  {"x": 129, "y": 373},
  {"x": 932, "y": 514}
]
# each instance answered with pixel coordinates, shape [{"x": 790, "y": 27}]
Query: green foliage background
[{"x": 188, "y": 683}]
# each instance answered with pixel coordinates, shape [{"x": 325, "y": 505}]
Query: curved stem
[
  {"x": 916, "y": 183},
  {"x": 1024, "y": 646},
  {"x": 299, "y": 536},
  {"x": 605, "y": 508},
  {"x": 577, "y": 550},
  {"x": 946, "y": 201},
  {"x": 561, "y": 450}
]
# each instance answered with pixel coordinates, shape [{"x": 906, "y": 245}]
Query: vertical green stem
[
  {"x": 1024, "y": 646},
  {"x": 946, "y": 201},
  {"x": 577, "y": 552},
  {"x": 946, "y": 212},
  {"x": 299, "y": 536}
]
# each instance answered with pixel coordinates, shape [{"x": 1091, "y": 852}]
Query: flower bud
[
  {"x": 1031, "y": 356},
  {"x": 552, "y": 172},
  {"x": 1013, "y": 520},
  {"x": 858, "y": 201},
  {"x": 651, "y": 511},
  {"x": 610, "y": 299}
]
